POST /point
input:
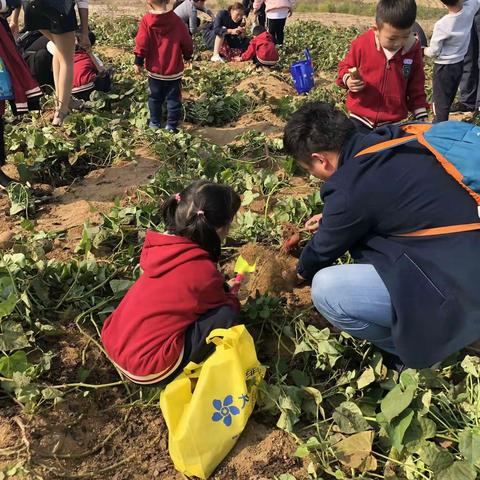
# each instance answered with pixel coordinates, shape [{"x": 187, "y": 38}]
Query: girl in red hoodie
[{"x": 162, "y": 322}]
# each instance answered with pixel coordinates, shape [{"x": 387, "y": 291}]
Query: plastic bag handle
[
  {"x": 192, "y": 369},
  {"x": 307, "y": 55},
  {"x": 216, "y": 336}
]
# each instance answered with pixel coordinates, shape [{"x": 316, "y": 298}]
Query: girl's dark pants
[
  {"x": 161, "y": 92},
  {"x": 276, "y": 29},
  {"x": 446, "y": 79},
  {"x": 196, "y": 348}
]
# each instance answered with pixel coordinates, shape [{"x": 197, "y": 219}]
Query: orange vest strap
[
  {"x": 466, "y": 227},
  {"x": 386, "y": 145}
]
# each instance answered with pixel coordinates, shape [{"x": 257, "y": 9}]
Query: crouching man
[{"x": 412, "y": 291}]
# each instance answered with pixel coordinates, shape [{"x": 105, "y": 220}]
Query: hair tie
[
  {"x": 178, "y": 197},
  {"x": 201, "y": 213}
]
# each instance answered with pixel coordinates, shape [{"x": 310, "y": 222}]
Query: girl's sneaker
[
  {"x": 217, "y": 58},
  {"x": 154, "y": 126}
]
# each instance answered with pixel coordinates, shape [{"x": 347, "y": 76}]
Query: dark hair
[
  {"x": 197, "y": 212},
  {"x": 91, "y": 36},
  {"x": 316, "y": 127},
  {"x": 258, "y": 30},
  {"x": 237, "y": 6},
  {"x": 450, "y": 3},
  {"x": 398, "y": 13}
]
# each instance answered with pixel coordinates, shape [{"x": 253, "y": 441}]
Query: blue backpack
[
  {"x": 456, "y": 145},
  {"x": 6, "y": 92}
]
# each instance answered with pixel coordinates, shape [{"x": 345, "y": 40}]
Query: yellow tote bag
[{"x": 207, "y": 406}]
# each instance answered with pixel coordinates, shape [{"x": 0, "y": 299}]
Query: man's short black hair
[
  {"x": 316, "y": 127},
  {"x": 450, "y": 3},
  {"x": 258, "y": 30},
  {"x": 400, "y": 14}
]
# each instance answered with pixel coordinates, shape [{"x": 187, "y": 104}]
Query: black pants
[
  {"x": 276, "y": 27},
  {"x": 196, "y": 348},
  {"x": 446, "y": 79},
  {"x": 161, "y": 92},
  {"x": 469, "y": 86}
]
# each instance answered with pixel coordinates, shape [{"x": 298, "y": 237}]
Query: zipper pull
[{"x": 388, "y": 64}]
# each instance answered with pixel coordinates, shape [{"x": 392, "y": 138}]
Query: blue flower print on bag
[{"x": 224, "y": 410}]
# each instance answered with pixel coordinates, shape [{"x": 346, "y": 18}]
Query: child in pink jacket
[{"x": 277, "y": 13}]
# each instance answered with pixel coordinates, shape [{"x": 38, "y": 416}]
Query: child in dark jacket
[
  {"x": 383, "y": 71},
  {"x": 161, "y": 45},
  {"x": 164, "y": 319},
  {"x": 262, "y": 49}
]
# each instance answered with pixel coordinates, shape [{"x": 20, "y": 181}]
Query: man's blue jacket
[{"x": 433, "y": 281}]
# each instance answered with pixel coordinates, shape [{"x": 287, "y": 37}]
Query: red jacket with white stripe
[
  {"x": 145, "y": 335},
  {"x": 84, "y": 72},
  {"x": 392, "y": 87},
  {"x": 161, "y": 44},
  {"x": 263, "y": 47}
]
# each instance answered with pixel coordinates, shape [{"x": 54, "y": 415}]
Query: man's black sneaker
[{"x": 460, "y": 107}]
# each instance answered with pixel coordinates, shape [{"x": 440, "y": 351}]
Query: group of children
[
  {"x": 162, "y": 322},
  {"x": 383, "y": 71}
]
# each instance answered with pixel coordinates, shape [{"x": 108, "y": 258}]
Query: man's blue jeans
[{"x": 354, "y": 299}]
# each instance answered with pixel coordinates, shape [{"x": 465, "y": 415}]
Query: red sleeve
[
  {"x": 187, "y": 43},
  {"x": 416, "y": 97},
  {"x": 250, "y": 51},
  {"x": 350, "y": 60},
  {"x": 213, "y": 295},
  {"x": 141, "y": 40}
]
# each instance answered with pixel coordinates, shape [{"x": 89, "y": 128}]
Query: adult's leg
[
  {"x": 218, "y": 45},
  {"x": 446, "y": 79},
  {"x": 65, "y": 51},
  {"x": 354, "y": 299},
  {"x": 174, "y": 105},
  {"x": 469, "y": 85},
  {"x": 156, "y": 99},
  {"x": 262, "y": 16},
  {"x": 275, "y": 28},
  {"x": 55, "y": 65}
]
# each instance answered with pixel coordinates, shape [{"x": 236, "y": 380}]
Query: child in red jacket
[
  {"x": 261, "y": 49},
  {"x": 161, "y": 45},
  {"x": 162, "y": 322},
  {"x": 383, "y": 71}
]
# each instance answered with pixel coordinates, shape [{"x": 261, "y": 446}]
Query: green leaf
[
  {"x": 300, "y": 378},
  {"x": 396, "y": 401},
  {"x": 12, "y": 336},
  {"x": 398, "y": 427},
  {"x": 366, "y": 378},
  {"x": 349, "y": 418},
  {"x": 8, "y": 305},
  {"x": 471, "y": 365},
  {"x": 120, "y": 286},
  {"x": 469, "y": 445},
  {"x": 458, "y": 471},
  {"x": 17, "y": 362},
  {"x": 248, "y": 198},
  {"x": 436, "y": 458}
]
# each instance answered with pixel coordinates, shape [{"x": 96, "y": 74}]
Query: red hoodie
[
  {"x": 163, "y": 42},
  {"x": 84, "y": 72},
  {"x": 144, "y": 336},
  {"x": 263, "y": 47},
  {"x": 393, "y": 87}
]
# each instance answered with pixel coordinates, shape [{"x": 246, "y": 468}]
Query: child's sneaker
[
  {"x": 217, "y": 58},
  {"x": 171, "y": 129},
  {"x": 154, "y": 126},
  {"x": 459, "y": 107}
]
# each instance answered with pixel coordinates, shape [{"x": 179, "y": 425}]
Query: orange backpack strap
[{"x": 466, "y": 227}]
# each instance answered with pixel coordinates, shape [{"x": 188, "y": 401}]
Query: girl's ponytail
[{"x": 199, "y": 211}]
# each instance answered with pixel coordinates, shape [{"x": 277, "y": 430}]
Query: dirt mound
[
  {"x": 275, "y": 272},
  {"x": 265, "y": 85},
  {"x": 261, "y": 454}
]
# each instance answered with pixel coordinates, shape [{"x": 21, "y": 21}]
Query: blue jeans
[
  {"x": 354, "y": 299},
  {"x": 161, "y": 92}
]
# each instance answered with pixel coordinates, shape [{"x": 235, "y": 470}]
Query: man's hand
[
  {"x": 355, "y": 85},
  {"x": 138, "y": 69},
  {"x": 312, "y": 224}
]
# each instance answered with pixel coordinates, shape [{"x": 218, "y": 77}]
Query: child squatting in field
[
  {"x": 164, "y": 319},
  {"x": 383, "y": 71},
  {"x": 261, "y": 50},
  {"x": 162, "y": 43}
]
